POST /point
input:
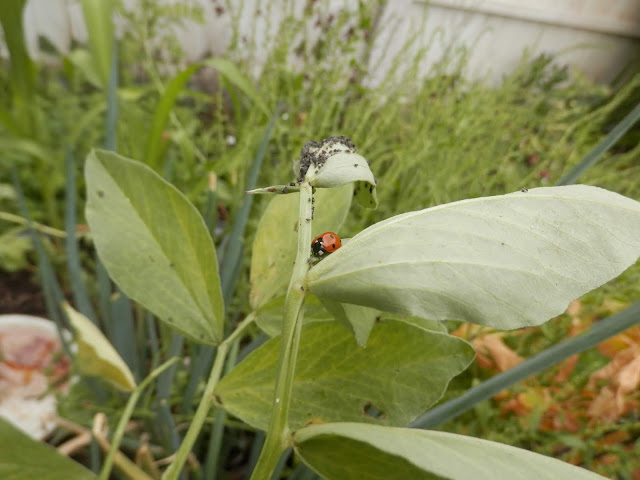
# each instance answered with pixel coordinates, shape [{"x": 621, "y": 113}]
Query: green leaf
[
  {"x": 402, "y": 372},
  {"x": 333, "y": 163},
  {"x": 96, "y": 356},
  {"x": 26, "y": 459},
  {"x": 352, "y": 451},
  {"x": 155, "y": 245},
  {"x": 274, "y": 246},
  {"x": 357, "y": 319},
  {"x": 98, "y": 19},
  {"x": 269, "y": 317},
  {"x": 164, "y": 107},
  {"x": 506, "y": 261},
  {"x": 22, "y": 69},
  {"x": 14, "y": 247},
  {"x": 234, "y": 76}
]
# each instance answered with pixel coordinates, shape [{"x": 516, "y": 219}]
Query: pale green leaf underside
[
  {"x": 96, "y": 356},
  {"x": 356, "y": 318},
  {"x": 154, "y": 245},
  {"x": 23, "y": 458},
  {"x": 343, "y": 168},
  {"x": 274, "y": 246},
  {"x": 403, "y": 370},
  {"x": 506, "y": 261},
  {"x": 353, "y": 451}
]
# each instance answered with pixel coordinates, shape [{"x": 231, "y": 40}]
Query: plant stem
[
  {"x": 54, "y": 232},
  {"x": 278, "y": 434},
  {"x": 200, "y": 416},
  {"x": 126, "y": 415}
]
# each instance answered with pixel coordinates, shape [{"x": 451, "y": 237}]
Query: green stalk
[
  {"x": 200, "y": 416},
  {"x": 53, "y": 232},
  {"x": 126, "y": 415},
  {"x": 278, "y": 434}
]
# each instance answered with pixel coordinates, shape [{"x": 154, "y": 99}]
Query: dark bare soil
[{"x": 20, "y": 292}]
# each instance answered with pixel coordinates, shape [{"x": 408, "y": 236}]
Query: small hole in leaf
[{"x": 370, "y": 410}]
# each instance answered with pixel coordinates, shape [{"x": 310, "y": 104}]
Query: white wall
[{"x": 599, "y": 37}]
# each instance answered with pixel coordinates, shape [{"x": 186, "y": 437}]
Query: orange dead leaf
[
  {"x": 574, "y": 308},
  {"x": 565, "y": 370},
  {"x": 624, "y": 374},
  {"x": 609, "y": 371},
  {"x": 628, "y": 379},
  {"x": 604, "y": 406},
  {"x": 617, "y": 437},
  {"x": 614, "y": 345},
  {"x": 608, "y": 459},
  {"x": 492, "y": 346},
  {"x": 468, "y": 330}
]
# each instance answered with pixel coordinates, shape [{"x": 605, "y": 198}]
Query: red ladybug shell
[{"x": 326, "y": 243}]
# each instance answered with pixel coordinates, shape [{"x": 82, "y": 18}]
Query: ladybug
[{"x": 326, "y": 243}]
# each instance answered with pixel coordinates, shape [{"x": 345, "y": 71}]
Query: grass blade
[
  {"x": 111, "y": 127},
  {"x": 52, "y": 291},
  {"x": 165, "y": 422},
  {"x": 594, "y": 155},
  {"x": 22, "y": 71},
  {"x": 216, "y": 438},
  {"x": 599, "y": 332},
  {"x": 80, "y": 295},
  {"x": 155, "y": 144},
  {"x": 235, "y": 77},
  {"x": 233, "y": 253},
  {"x": 124, "y": 336},
  {"x": 98, "y": 17}
]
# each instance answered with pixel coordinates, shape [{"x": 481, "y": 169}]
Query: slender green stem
[
  {"x": 278, "y": 434},
  {"x": 200, "y": 416},
  {"x": 126, "y": 415},
  {"x": 54, "y": 232}
]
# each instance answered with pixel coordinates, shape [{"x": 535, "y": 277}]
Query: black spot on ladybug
[
  {"x": 332, "y": 236},
  {"x": 100, "y": 193}
]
